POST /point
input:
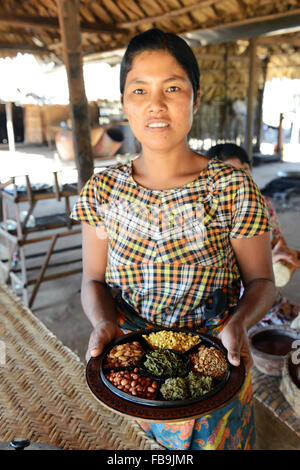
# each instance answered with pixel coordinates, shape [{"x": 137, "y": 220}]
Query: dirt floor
[{"x": 58, "y": 304}]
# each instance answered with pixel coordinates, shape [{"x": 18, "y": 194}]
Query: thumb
[
  {"x": 95, "y": 346},
  {"x": 95, "y": 351},
  {"x": 234, "y": 355}
]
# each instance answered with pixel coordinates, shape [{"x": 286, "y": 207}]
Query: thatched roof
[
  {"x": 225, "y": 67},
  {"x": 219, "y": 32},
  {"x": 32, "y": 25}
]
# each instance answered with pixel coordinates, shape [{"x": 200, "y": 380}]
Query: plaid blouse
[{"x": 169, "y": 250}]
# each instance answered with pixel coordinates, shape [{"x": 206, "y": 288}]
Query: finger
[
  {"x": 296, "y": 263},
  {"x": 248, "y": 362},
  {"x": 234, "y": 358},
  {"x": 95, "y": 346},
  {"x": 246, "y": 356},
  {"x": 234, "y": 355},
  {"x": 94, "y": 352}
]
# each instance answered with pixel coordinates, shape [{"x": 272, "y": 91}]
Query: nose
[{"x": 157, "y": 102}]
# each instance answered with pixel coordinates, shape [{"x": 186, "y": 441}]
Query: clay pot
[
  {"x": 64, "y": 144},
  {"x": 290, "y": 382},
  {"x": 105, "y": 142},
  {"x": 269, "y": 346},
  {"x": 108, "y": 142}
]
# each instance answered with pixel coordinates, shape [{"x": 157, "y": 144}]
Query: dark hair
[
  {"x": 154, "y": 40},
  {"x": 229, "y": 150}
]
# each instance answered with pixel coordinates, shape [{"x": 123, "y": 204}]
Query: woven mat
[
  {"x": 266, "y": 391},
  {"x": 43, "y": 393}
]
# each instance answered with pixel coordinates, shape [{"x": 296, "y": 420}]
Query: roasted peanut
[{"x": 133, "y": 383}]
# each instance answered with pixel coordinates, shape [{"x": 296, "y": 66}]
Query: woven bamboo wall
[
  {"x": 33, "y": 124},
  {"x": 42, "y": 122}
]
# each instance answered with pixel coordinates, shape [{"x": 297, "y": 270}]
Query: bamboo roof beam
[
  {"x": 25, "y": 48},
  {"x": 169, "y": 14},
  {"x": 52, "y": 23},
  {"x": 241, "y": 29}
]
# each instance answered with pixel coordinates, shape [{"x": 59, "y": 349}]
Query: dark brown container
[{"x": 269, "y": 347}]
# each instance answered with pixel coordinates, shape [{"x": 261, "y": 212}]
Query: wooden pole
[
  {"x": 225, "y": 105},
  {"x": 68, "y": 14},
  {"x": 280, "y": 137},
  {"x": 251, "y": 90},
  {"x": 259, "y": 120},
  {"x": 10, "y": 127}
]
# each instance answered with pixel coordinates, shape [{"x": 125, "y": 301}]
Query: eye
[
  {"x": 139, "y": 91},
  {"x": 173, "y": 88}
]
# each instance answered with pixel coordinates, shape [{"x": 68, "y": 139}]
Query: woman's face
[{"x": 158, "y": 101}]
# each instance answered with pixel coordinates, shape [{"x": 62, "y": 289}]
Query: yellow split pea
[{"x": 172, "y": 340}]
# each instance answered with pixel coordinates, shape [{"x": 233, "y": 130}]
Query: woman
[
  {"x": 282, "y": 311},
  {"x": 163, "y": 233}
]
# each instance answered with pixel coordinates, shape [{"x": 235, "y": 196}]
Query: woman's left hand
[{"x": 235, "y": 339}]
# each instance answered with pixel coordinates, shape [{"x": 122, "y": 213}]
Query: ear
[{"x": 197, "y": 102}]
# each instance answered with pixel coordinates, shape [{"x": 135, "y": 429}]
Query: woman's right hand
[
  {"x": 104, "y": 331},
  {"x": 281, "y": 252}
]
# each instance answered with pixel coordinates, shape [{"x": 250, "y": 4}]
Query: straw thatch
[
  {"x": 106, "y": 25},
  {"x": 225, "y": 67}
]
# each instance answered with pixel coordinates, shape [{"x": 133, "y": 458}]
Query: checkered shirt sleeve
[
  {"x": 88, "y": 207},
  {"x": 249, "y": 212}
]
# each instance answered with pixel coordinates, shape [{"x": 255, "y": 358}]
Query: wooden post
[
  {"x": 225, "y": 109},
  {"x": 10, "y": 127},
  {"x": 68, "y": 14},
  {"x": 279, "y": 137},
  {"x": 251, "y": 90},
  {"x": 259, "y": 118}
]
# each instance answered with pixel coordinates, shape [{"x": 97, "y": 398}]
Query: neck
[
  {"x": 157, "y": 170},
  {"x": 164, "y": 165}
]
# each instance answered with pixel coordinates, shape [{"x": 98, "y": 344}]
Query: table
[
  {"x": 17, "y": 234},
  {"x": 43, "y": 392}
]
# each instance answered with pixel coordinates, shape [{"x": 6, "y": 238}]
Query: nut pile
[
  {"x": 209, "y": 361},
  {"x": 133, "y": 383},
  {"x": 181, "y": 342},
  {"x": 123, "y": 355}
]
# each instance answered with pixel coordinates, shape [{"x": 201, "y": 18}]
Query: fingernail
[
  {"x": 235, "y": 359},
  {"x": 95, "y": 351}
]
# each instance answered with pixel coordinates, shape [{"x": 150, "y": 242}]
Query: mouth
[{"x": 157, "y": 125}]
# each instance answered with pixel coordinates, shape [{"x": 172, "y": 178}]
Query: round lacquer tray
[{"x": 159, "y": 409}]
